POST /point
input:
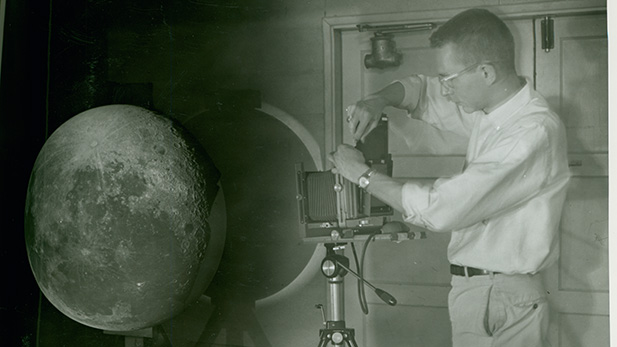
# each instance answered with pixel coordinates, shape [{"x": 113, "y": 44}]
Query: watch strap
[{"x": 366, "y": 175}]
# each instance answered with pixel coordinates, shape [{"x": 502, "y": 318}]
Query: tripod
[
  {"x": 335, "y": 266},
  {"x": 335, "y": 332}
]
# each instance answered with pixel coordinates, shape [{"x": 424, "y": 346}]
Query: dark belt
[{"x": 471, "y": 271}]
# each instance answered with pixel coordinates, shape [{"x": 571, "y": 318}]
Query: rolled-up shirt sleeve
[
  {"x": 511, "y": 172},
  {"x": 413, "y": 82}
]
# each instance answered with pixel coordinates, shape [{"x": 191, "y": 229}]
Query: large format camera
[{"x": 332, "y": 207}]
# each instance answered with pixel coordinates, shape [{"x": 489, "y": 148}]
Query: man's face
[{"x": 468, "y": 88}]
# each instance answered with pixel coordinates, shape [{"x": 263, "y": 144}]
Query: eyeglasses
[{"x": 447, "y": 80}]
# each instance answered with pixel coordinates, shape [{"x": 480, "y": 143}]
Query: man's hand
[
  {"x": 363, "y": 116},
  {"x": 349, "y": 162}
]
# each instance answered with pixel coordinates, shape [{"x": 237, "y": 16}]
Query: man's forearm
[
  {"x": 363, "y": 116},
  {"x": 388, "y": 190},
  {"x": 391, "y": 95},
  {"x": 407, "y": 90}
]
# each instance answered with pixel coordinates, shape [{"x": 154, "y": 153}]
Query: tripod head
[{"x": 334, "y": 265}]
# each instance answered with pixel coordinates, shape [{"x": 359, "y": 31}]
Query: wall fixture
[
  {"x": 383, "y": 47},
  {"x": 548, "y": 34},
  {"x": 383, "y": 52}
]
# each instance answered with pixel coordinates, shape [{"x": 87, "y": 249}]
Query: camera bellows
[{"x": 322, "y": 204}]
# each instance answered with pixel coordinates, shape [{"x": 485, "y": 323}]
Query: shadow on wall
[{"x": 256, "y": 155}]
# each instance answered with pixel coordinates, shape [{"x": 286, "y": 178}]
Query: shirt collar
[{"x": 502, "y": 113}]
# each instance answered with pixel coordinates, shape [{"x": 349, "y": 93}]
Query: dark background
[
  {"x": 54, "y": 66},
  {"x": 22, "y": 133}
]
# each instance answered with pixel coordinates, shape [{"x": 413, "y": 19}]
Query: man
[{"x": 504, "y": 208}]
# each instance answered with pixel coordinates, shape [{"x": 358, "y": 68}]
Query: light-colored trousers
[{"x": 498, "y": 311}]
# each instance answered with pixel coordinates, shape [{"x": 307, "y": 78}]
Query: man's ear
[{"x": 489, "y": 73}]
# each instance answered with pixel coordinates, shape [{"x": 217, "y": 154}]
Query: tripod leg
[
  {"x": 351, "y": 340},
  {"x": 322, "y": 343},
  {"x": 323, "y": 339}
]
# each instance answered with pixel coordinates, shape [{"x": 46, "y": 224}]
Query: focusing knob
[{"x": 329, "y": 267}]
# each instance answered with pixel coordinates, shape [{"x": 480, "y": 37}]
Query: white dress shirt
[{"x": 504, "y": 208}]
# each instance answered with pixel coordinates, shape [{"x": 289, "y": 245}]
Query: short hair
[{"x": 478, "y": 35}]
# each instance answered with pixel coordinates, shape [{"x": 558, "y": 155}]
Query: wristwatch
[{"x": 365, "y": 179}]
